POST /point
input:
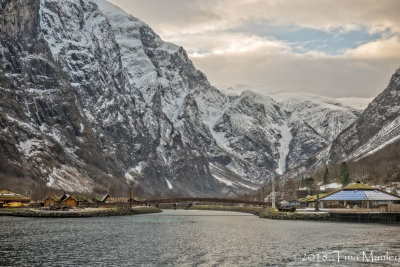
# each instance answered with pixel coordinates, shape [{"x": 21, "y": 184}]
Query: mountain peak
[{"x": 110, "y": 104}]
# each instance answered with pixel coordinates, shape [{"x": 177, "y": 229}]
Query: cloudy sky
[{"x": 330, "y": 47}]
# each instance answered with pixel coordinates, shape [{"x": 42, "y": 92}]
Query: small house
[
  {"x": 52, "y": 200},
  {"x": 12, "y": 199},
  {"x": 101, "y": 199},
  {"x": 70, "y": 201},
  {"x": 75, "y": 201}
]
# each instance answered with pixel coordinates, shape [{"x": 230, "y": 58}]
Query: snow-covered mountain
[
  {"x": 328, "y": 116},
  {"x": 376, "y": 128},
  {"x": 378, "y": 125},
  {"x": 93, "y": 99}
]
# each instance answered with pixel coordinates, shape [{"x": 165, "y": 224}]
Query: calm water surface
[{"x": 193, "y": 238}]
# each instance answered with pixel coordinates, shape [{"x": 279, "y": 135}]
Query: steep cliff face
[
  {"x": 251, "y": 138},
  {"x": 37, "y": 108},
  {"x": 93, "y": 99},
  {"x": 378, "y": 125},
  {"x": 132, "y": 125}
]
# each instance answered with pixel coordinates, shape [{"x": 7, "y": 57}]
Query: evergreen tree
[
  {"x": 309, "y": 181},
  {"x": 326, "y": 176},
  {"x": 344, "y": 174}
]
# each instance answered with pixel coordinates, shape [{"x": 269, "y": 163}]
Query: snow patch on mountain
[
  {"x": 389, "y": 134},
  {"x": 30, "y": 147},
  {"x": 223, "y": 180},
  {"x": 284, "y": 147},
  {"x": 70, "y": 179},
  {"x": 170, "y": 187}
]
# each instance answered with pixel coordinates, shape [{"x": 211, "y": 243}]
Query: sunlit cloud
[
  {"x": 229, "y": 44},
  {"x": 333, "y": 47},
  {"x": 383, "y": 48}
]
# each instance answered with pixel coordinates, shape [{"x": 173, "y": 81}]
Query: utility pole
[
  {"x": 130, "y": 194},
  {"x": 273, "y": 193},
  {"x": 263, "y": 194}
]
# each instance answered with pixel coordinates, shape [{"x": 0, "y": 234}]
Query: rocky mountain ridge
[
  {"x": 377, "y": 128},
  {"x": 93, "y": 99}
]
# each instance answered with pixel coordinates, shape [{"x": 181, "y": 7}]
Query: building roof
[
  {"x": 6, "y": 195},
  {"x": 312, "y": 198},
  {"x": 102, "y": 198},
  {"x": 306, "y": 193},
  {"x": 75, "y": 197},
  {"x": 357, "y": 195},
  {"x": 80, "y": 197},
  {"x": 55, "y": 198},
  {"x": 68, "y": 197},
  {"x": 358, "y": 186}
]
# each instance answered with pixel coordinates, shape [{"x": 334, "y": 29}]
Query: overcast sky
[{"x": 329, "y": 47}]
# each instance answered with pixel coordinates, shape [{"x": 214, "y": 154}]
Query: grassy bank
[{"x": 90, "y": 212}]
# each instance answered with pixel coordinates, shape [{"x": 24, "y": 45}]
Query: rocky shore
[
  {"x": 268, "y": 213},
  {"x": 277, "y": 215},
  {"x": 92, "y": 212}
]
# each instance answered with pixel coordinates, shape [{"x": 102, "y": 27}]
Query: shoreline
[
  {"x": 264, "y": 213},
  {"x": 269, "y": 213},
  {"x": 93, "y": 212},
  {"x": 304, "y": 216}
]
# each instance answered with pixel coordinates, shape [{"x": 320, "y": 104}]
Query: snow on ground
[
  {"x": 326, "y": 186},
  {"x": 331, "y": 186},
  {"x": 30, "y": 146}
]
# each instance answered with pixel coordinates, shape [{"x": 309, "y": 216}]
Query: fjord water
[{"x": 189, "y": 238}]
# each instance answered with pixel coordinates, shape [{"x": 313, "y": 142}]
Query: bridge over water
[{"x": 197, "y": 200}]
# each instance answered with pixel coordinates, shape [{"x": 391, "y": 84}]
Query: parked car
[{"x": 287, "y": 208}]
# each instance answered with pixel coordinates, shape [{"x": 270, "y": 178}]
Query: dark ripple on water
[{"x": 183, "y": 238}]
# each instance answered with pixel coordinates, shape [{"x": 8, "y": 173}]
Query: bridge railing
[{"x": 212, "y": 200}]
